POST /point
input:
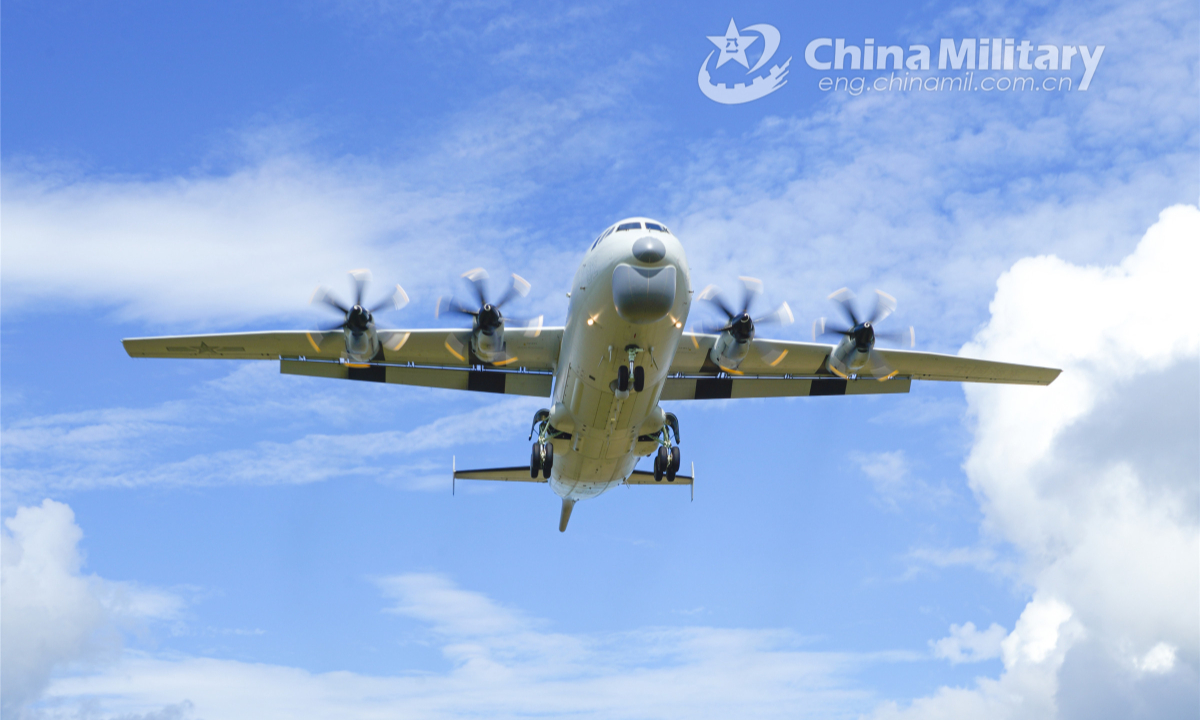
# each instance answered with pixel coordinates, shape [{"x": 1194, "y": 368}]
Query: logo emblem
[{"x": 732, "y": 46}]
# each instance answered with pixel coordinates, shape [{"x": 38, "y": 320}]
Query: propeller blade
[
  {"x": 751, "y": 288},
  {"x": 361, "y": 278},
  {"x": 845, "y": 298},
  {"x": 714, "y": 329},
  {"x": 447, "y": 305},
  {"x": 884, "y": 305},
  {"x": 903, "y": 336},
  {"x": 476, "y": 278},
  {"x": 519, "y": 288},
  {"x": 879, "y": 368},
  {"x": 331, "y": 328},
  {"x": 398, "y": 300},
  {"x": 323, "y": 295},
  {"x": 713, "y": 295},
  {"x": 821, "y": 328},
  {"x": 533, "y": 328},
  {"x": 782, "y": 315}
]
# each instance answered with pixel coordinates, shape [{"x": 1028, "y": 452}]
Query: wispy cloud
[
  {"x": 132, "y": 447},
  {"x": 506, "y": 664},
  {"x": 895, "y": 485}
]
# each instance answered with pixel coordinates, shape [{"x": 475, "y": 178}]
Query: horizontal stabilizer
[
  {"x": 641, "y": 477},
  {"x": 508, "y": 474}
]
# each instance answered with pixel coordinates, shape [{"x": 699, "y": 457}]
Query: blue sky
[{"x": 203, "y": 539}]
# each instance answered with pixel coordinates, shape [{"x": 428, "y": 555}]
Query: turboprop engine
[
  {"x": 358, "y": 324},
  {"x": 737, "y": 332},
  {"x": 487, "y": 322},
  {"x": 856, "y": 350}
]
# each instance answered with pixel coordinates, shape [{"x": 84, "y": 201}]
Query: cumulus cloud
[
  {"x": 968, "y": 644},
  {"x": 1093, "y": 481},
  {"x": 54, "y": 616}
]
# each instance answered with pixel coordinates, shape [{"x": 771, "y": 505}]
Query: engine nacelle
[
  {"x": 488, "y": 347},
  {"x": 362, "y": 346},
  {"x": 728, "y": 352},
  {"x": 848, "y": 359}
]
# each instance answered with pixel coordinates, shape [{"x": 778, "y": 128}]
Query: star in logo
[{"x": 732, "y": 45}]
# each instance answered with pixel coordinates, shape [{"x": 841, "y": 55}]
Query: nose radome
[{"x": 649, "y": 249}]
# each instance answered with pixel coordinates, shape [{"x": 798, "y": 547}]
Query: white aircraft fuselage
[{"x": 631, "y": 293}]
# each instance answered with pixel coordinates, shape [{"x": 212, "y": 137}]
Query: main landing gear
[
  {"x": 542, "y": 458},
  {"x": 666, "y": 460}
]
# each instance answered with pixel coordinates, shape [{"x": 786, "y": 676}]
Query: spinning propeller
[
  {"x": 738, "y": 323},
  {"x": 486, "y": 314},
  {"x": 358, "y": 317},
  {"x": 862, "y": 331}
]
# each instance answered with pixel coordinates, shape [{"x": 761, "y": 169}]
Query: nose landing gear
[{"x": 630, "y": 371}]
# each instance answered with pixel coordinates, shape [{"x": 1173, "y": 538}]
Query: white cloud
[
  {"x": 54, "y": 616},
  {"x": 891, "y": 475},
  {"x": 967, "y": 644},
  {"x": 1160, "y": 659},
  {"x": 133, "y": 447},
  {"x": 503, "y": 664},
  {"x": 217, "y": 247},
  {"x": 1092, "y": 481},
  {"x": 222, "y": 248}
]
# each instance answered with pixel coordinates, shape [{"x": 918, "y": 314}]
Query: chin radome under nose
[{"x": 643, "y": 295}]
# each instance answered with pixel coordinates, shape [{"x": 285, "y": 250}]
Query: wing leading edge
[{"x": 428, "y": 358}]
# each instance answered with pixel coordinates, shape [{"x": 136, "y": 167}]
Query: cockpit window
[
  {"x": 605, "y": 234},
  {"x": 629, "y": 226},
  {"x": 655, "y": 226}
]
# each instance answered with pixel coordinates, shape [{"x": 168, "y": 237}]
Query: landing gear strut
[{"x": 667, "y": 460}]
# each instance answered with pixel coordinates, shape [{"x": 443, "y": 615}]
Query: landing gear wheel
[
  {"x": 547, "y": 460},
  {"x": 639, "y": 378},
  {"x": 535, "y": 461},
  {"x": 673, "y": 464},
  {"x": 622, "y": 379},
  {"x": 661, "y": 460}
]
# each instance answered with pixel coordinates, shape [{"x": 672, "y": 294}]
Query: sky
[{"x": 204, "y": 539}]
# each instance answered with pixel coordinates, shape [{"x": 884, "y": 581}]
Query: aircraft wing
[
  {"x": 430, "y": 358},
  {"x": 778, "y": 368}
]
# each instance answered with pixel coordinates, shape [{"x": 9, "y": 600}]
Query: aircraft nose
[{"x": 649, "y": 249}]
